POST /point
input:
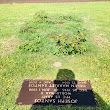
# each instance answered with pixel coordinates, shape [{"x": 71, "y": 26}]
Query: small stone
[{"x": 57, "y": 64}]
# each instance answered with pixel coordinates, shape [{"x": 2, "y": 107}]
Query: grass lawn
[{"x": 16, "y": 65}]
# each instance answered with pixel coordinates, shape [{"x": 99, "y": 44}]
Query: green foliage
[
  {"x": 40, "y": 35},
  {"x": 40, "y": 17},
  {"x": 32, "y": 46},
  {"x": 70, "y": 18},
  {"x": 68, "y": 46}
]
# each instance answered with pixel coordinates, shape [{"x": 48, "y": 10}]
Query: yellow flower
[
  {"x": 81, "y": 34},
  {"x": 72, "y": 44}
]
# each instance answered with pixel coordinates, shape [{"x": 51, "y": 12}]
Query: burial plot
[{"x": 57, "y": 92}]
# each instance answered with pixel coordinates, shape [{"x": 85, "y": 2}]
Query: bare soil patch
[
  {"x": 61, "y": 22},
  {"x": 8, "y": 45},
  {"x": 102, "y": 42}
]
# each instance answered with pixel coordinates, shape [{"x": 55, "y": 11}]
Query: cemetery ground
[{"x": 20, "y": 59}]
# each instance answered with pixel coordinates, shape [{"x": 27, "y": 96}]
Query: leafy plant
[
  {"x": 40, "y": 17},
  {"x": 33, "y": 45},
  {"x": 70, "y": 18},
  {"x": 68, "y": 46}
]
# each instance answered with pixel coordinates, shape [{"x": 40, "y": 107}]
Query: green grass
[{"x": 15, "y": 66}]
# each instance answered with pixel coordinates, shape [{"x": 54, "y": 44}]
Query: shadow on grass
[{"x": 65, "y": 74}]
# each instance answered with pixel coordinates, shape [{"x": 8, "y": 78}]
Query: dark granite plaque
[{"x": 46, "y": 92}]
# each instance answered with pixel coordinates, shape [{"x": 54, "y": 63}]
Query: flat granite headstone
[{"x": 57, "y": 92}]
